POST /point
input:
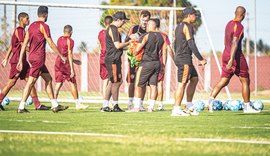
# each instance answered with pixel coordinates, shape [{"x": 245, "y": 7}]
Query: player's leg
[
  {"x": 105, "y": 83},
  {"x": 74, "y": 92},
  {"x": 6, "y": 89},
  {"x": 190, "y": 93},
  {"x": 153, "y": 97},
  {"x": 36, "y": 101},
  {"x": 28, "y": 87},
  {"x": 131, "y": 85},
  {"x": 183, "y": 74},
  {"x": 160, "y": 96},
  {"x": 58, "y": 86}
]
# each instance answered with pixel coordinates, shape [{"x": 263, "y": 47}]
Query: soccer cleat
[
  {"x": 23, "y": 111},
  {"x": 135, "y": 110},
  {"x": 59, "y": 108},
  {"x": 142, "y": 108},
  {"x": 116, "y": 108},
  {"x": 81, "y": 106},
  {"x": 150, "y": 110},
  {"x": 179, "y": 113},
  {"x": 211, "y": 107},
  {"x": 105, "y": 109},
  {"x": 130, "y": 107},
  {"x": 192, "y": 112},
  {"x": 161, "y": 109},
  {"x": 249, "y": 109},
  {"x": 2, "y": 108},
  {"x": 43, "y": 107}
]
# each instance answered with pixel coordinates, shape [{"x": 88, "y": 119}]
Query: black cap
[
  {"x": 120, "y": 15},
  {"x": 189, "y": 10}
]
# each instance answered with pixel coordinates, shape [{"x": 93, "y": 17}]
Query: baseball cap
[
  {"x": 189, "y": 10},
  {"x": 120, "y": 15}
]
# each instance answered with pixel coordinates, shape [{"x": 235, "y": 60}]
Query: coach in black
[
  {"x": 114, "y": 51},
  {"x": 184, "y": 47},
  {"x": 153, "y": 43}
]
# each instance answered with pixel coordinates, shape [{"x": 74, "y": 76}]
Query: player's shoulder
[{"x": 71, "y": 40}]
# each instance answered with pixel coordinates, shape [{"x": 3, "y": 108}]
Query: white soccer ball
[
  {"x": 5, "y": 101},
  {"x": 29, "y": 101},
  {"x": 217, "y": 105},
  {"x": 257, "y": 105},
  {"x": 198, "y": 105}
]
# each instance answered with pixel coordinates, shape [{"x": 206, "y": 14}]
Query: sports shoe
[
  {"x": 43, "y": 107},
  {"x": 192, "y": 112},
  {"x": 23, "y": 111},
  {"x": 105, "y": 109},
  {"x": 116, "y": 108},
  {"x": 249, "y": 109},
  {"x": 142, "y": 108},
  {"x": 150, "y": 110},
  {"x": 135, "y": 110},
  {"x": 161, "y": 109},
  {"x": 210, "y": 107},
  {"x": 130, "y": 107},
  {"x": 59, "y": 108},
  {"x": 2, "y": 108},
  {"x": 81, "y": 106},
  {"x": 179, "y": 113}
]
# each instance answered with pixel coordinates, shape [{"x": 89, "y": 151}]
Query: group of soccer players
[{"x": 151, "y": 51}]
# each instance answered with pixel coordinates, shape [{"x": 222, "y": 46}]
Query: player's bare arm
[
  {"x": 70, "y": 59},
  {"x": 25, "y": 42},
  {"x": 233, "y": 51},
  {"x": 4, "y": 62},
  {"x": 142, "y": 44},
  {"x": 164, "y": 57}
]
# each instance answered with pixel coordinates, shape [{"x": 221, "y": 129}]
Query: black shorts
[
  {"x": 131, "y": 74},
  {"x": 114, "y": 72},
  {"x": 186, "y": 72},
  {"x": 147, "y": 73}
]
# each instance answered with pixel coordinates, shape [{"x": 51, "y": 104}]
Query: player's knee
[{"x": 11, "y": 83}]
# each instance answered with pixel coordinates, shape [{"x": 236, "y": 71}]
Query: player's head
[
  {"x": 151, "y": 25},
  {"x": 144, "y": 18},
  {"x": 43, "y": 12},
  {"x": 68, "y": 30},
  {"x": 157, "y": 20},
  {"x": 190, "y": 14},
  {"x": 120, "y": 18},
  {"x": 240, "y": 12},
  {"x": 23, "y": 18},
  {"x": 108, "y": 20}
]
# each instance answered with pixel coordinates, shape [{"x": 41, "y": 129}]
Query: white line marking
[
  {"x": 252, "y": 127},
  {"x": 223, "y": 140},
  {"x": 63, "y": 133}
]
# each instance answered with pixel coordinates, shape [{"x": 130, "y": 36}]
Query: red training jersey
[
  {"x": 102, "y": 41},
  {"x": 62, "y": 44},
  {"x": 16, "y": 40},
  {"x": 233, "y": 29},
  {"x": 37, "y": 40}
]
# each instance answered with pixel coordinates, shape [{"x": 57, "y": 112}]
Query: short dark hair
[
  {"x": 145, "y": 13},
  {"x": 157, "y": 21},
  {"x": 108, "y": 20},
  {"x": 68, "y": 28},
  {"x": 42, "y": 11},
  {"x": 22, "y": 15}
]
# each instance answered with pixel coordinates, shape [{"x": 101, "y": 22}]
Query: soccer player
[
  {"x": 153, "y": 44},
  {"x": 233, "y": 61},
  {"x": 184, "y": 47},
  {"x": 37, "y": 35},
  {"x": 65, "y": 71},
  {"x": 134, "y": 33},
  {"x": 163, "y": 60},
  {"x": 102, "y": 45},
  {"x": 15, "y": 47},
  {"x": 114, "y": 51}
]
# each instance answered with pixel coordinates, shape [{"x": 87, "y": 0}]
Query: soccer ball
[
  {"x": 217, "y": 105},
  {"x": 5, "y": 101},
  {"x": 198, "y": 105},
  {"x": 29, "y": 101},
  {"x": 227, "y": 104},
  {"x": 241, "y": 105},
  {"x": 257, "y": 105},
  {"x": 235, "y": 105}
]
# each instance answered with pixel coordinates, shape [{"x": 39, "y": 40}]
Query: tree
[{"x": 261, "y": 47}]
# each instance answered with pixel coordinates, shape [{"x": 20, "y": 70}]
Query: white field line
[
  {"x": 223, "y": 140},
  {"x": 63, "y": 133},
  {"x": 252, "y": 127}
]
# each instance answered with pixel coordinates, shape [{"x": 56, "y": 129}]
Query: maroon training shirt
[
  {"x": 102, "y": 41},
  {"x": 16, "y": 40}
]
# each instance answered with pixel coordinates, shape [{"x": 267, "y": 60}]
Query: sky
[{"x": 217, "y": 13}]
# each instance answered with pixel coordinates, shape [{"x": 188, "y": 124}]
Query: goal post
[{"x": 89, "y": 83}]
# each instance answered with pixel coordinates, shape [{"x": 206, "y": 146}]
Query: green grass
[{"x": 146, "y": 133}]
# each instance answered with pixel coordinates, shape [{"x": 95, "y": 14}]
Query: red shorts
[
  {"x": 103, "y": 71},
  {"x": 60, "y": 77},
  {"x": 239, "y": 67},
  {"x": 14, "y": 73},
  {"x": 37, "y": 68}
]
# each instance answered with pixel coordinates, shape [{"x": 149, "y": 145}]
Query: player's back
[
  {"x": 233, "y": 29},
  {"x": 37, "y": 40},
  {"x": 153, "y": 46},
  {"x": 112, "y": 53},
  {"x": 16, "y": 40},
  {"x": 62, "y": 44}
]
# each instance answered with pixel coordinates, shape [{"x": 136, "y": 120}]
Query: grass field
[{"x": 133, "y": 133}]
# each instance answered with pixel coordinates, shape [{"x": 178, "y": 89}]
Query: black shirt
[
  {"x": 113, "y": 55},
  {"x": 184, "y": 44},
  {"x": 135, "y": 29},
  {"x": 153, "y": 46}
]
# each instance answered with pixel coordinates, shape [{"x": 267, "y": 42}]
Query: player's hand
[
  {"x": 4, "y": 62},
  {"x": 63, "y": 59},
  {"x": 134, "y": 36},
  {"x": 229, "y": 65},
  {"x": 19, "y": 66},
  {"x": 78, "y": 62},
  {"x": 72, "y": 74}
]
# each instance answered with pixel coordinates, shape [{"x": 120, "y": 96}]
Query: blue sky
[{"x": 217, "y": 12}]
